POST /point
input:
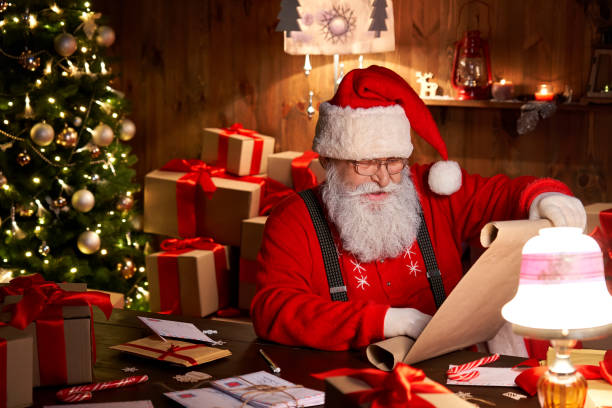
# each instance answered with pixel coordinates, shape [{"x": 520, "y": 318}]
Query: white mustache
[{"x": 372, "y": 188}]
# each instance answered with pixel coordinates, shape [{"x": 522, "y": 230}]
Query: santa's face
[
  {"x": 377, "y": 216},
  {"x": 352, "y": 179}
]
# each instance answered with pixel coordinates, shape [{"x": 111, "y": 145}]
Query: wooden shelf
[
  {"x": 514, "y": 104},
  {"x": 490, "y": 104}
]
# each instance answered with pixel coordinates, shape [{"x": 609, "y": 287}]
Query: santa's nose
[{"x": 381, "y": 177}]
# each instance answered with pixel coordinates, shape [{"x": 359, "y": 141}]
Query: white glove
[
  {"x": 561, "y": 209},
  {"x": 404, "y": 322}
]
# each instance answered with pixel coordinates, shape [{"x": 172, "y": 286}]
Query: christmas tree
[
  {"x": 68, "y": 203},
  {"x": 288, "y": 17},
  {"x": 378, "y": 16}
]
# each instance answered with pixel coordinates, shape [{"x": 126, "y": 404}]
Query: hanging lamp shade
[
  {"x": 562, "y": 291},
  {"x": 321, "y": 27}
]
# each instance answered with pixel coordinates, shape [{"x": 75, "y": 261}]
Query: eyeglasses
[{"x": 370, "y": 167}]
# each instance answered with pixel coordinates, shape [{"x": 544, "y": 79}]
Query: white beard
[{"x": 372, "y": 230}]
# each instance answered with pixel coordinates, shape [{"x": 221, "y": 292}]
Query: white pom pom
[{"x": 445, "y": 177}]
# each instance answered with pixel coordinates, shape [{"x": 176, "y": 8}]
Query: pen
[{"x": 275, "y": 369}]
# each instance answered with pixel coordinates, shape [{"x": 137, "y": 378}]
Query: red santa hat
[{"x": 370, "y": 117}]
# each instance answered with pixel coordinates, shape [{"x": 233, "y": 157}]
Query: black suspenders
[
  {"x": 337, "y": 289},
  {"x": 433, "y": 273}
]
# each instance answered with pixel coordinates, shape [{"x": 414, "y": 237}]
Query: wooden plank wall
[{"x": 190, "y": 64}]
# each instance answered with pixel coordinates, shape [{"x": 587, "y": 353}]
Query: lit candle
[
  {"x": 544, "y": 93},
  {"x": 502, "y": 90}
]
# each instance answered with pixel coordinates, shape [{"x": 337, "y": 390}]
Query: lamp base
[
  {"x": 562, "y": 390},
  {"x": 562, "y": 386}
]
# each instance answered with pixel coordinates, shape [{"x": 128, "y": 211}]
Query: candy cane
[
  {"x": 462, "y": 372},
  {"x": 83, "y": 392}
]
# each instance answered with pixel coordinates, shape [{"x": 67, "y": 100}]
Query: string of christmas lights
[{"x": 68, "y": 206}]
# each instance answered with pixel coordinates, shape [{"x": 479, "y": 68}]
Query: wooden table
[{"x": 297, "y": 363}]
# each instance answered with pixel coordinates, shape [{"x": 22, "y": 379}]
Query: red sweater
[{"x": 293, "y": 305}]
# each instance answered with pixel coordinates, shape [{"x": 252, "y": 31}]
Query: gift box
[
  {"x": 240, "y": 151},
  {"x": 280, "y": 168},
  {"x": 173, "y": 351},
  {"x": 169, "y": 211},
  {"x": 16, "y": 365},
  {"x": 252, "y": 235},
  {"x": 592, "y": 212},
  {"x": 116, "y": 299},
  {"x": 366, "y": 385},
  {"x": 599, "y": 392},
  {"x": 57, "y": 317},
  {"x": 187, "y": 280}
]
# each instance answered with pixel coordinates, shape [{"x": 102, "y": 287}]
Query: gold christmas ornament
[
  {"x": 128, "y": 130},
  {"x": 106, "y": 36},
  {"x": 125, "y": 203},
  {"x": 27, "y": 210},
  {"x": 17, "y": 232},
  {"x": 77, "y": 121},
  {"x": 28, "y": 60},
  {"x": 88, "y": 242},
  {"x": 67, "y": 137},
  {"x": 127, "y": 268},
  {"x": 103, "y": 135},
  {"x": 65, "y": 44},
  {"x": 44, "y": 249},
  {"x": 83, "y": 200},
  {"x": 60, "y": 202},
  {"x": 3, "y": 179},
  {"x": 42, "y": 134},
  {"x": 23, "y": 158}
]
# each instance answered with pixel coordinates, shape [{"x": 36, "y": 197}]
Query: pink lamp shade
[
  {"x": 562, "y": 291},
  {"x": 321, "y": 27}
]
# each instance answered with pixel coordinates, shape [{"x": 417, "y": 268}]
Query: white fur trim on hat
[
  {"x": 445, "y": 177},
  {"x": 362, "y": 133}
]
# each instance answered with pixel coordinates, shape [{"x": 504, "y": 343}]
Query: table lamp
[
  {"x": 321, "y": 27},
  {"x": 561, "y": 297}
]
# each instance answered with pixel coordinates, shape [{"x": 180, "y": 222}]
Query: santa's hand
[
  {"x": 562, "y": 210},
  {"x": 404, "y": 322}
]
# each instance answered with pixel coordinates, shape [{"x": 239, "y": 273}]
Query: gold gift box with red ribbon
[
  {"x": 16, "y": 351},
  {"x": 240, "y": 151},
  {"x": 252, "y": 235},
  {"x": 297, "y": 170},
  {"x": 188, "y": 198},
  {"x": 190, "y": 277},
  {"x": 58, "y": 318},
  {"x": 404, "y": 386}
]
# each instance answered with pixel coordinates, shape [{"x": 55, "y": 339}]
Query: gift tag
[{"x": 171, "y": 328}]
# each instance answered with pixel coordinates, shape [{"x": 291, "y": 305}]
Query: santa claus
[{"x": 373, "y": 251}]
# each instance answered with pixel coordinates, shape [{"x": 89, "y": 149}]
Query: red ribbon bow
[
  {"x": 395, "y": 389},
  {"x": 528, "y": 379},
  {"x": 169, "y": 280},
  {"x": 303, "y": 178},
  {"x": 603, "y": 235},
  {"x": 42, "y": 301}
]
